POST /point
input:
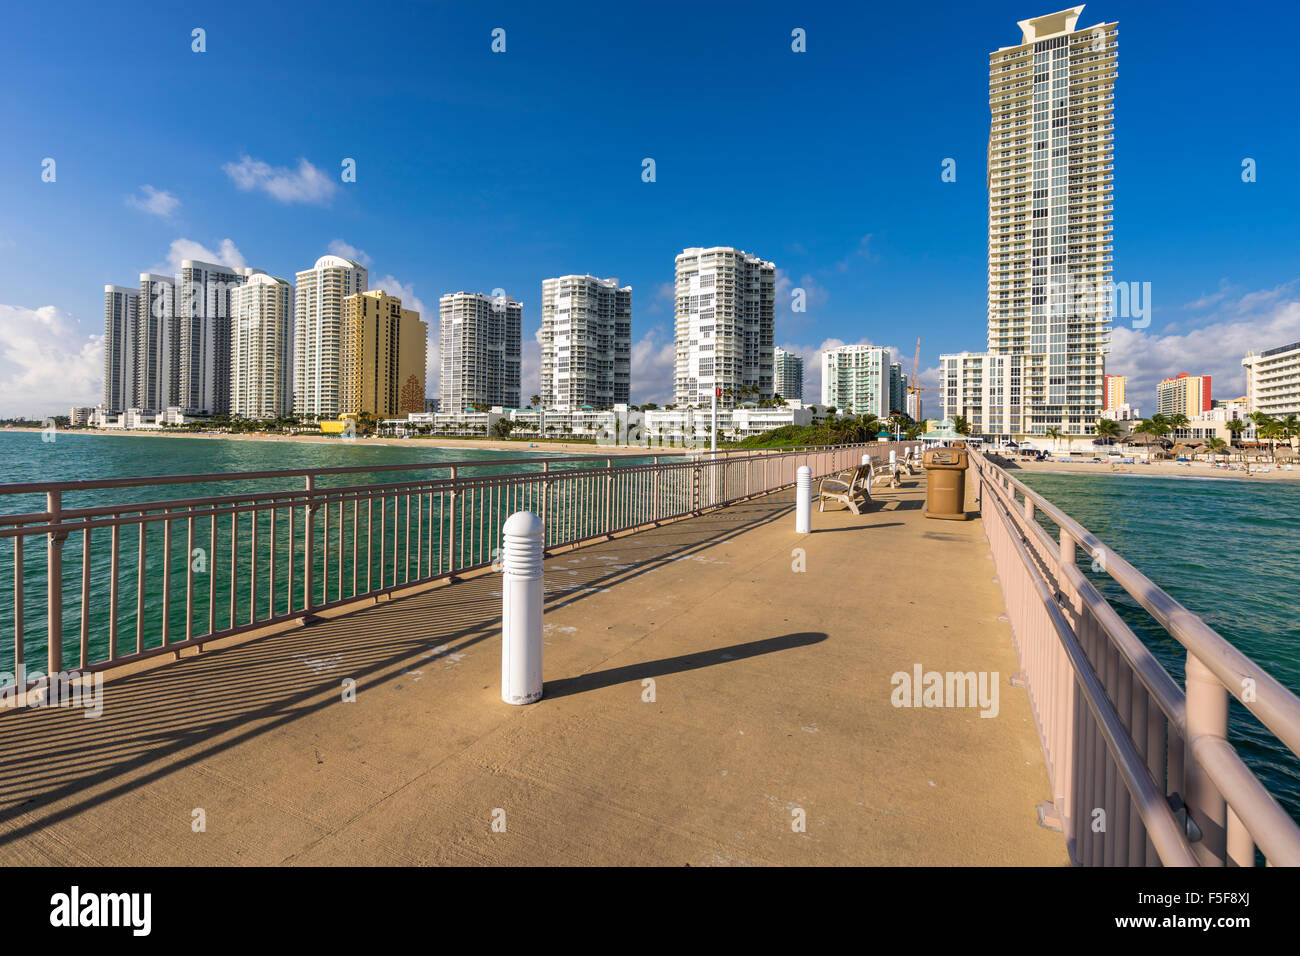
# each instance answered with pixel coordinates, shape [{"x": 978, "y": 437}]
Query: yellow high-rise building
[{"x": 383, "y": 356}]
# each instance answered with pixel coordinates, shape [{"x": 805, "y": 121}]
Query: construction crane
[{"x": 912, "y": 387}]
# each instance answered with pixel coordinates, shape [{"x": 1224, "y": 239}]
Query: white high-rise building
[
  {"x": 855, "y": 378},
  {"x": 479, "y": 339},
  {"x": 261, "y": 348},
  {"x": 1050, "y": 173},
  {"x": 586, "y": 342},
  {"x": 1273, "y": 381},
  {"x": 121, "y": 311},
  {"x": 787, "y": 374},
  {"x": 203, "y": 296},
  {"x": 978, "y": 386},
  {"x": 725, "y": 325},
  {"x": 317, "y": 335},
  {"x": 158, "y": 365}
]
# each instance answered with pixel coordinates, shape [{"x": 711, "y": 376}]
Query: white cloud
[
  {"x": 530, "y": 367},
  {"x": 665, "y": 297},
  {"x": 306, "y": 184},
  {"x": 46, "y": 364},
  {"x": 654, "y": 360},
  {"x": 340, "y": 248},
  {"x": 156, "y": 202},
  {"x": 404, "y": 292},
  {"x": 181, "y": 249},
  {"x": 1257, "y": 320}
]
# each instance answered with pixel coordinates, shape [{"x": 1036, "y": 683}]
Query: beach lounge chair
[{"x": 853, "y": 490}]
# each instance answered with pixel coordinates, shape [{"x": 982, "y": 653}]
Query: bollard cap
[
  {"x": 524, "y": 524},
  {"x": 804, "y": 469}
]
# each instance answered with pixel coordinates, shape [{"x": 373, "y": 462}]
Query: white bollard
[
  {"x": 866, "y": 460},
  {"x": 893, "y": 459},
  {"x": 803, "y": 500},
  {"x": 521, "y": 608}
]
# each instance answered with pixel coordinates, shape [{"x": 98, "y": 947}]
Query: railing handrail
[
  {"x": 42, "y": 487},
  {"x": 1276, "y": 707}
]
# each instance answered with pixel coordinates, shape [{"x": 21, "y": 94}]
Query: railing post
[
  {"x": 451, "y": 527},
  {"x": 803, "y": 501},
  {"x": 521, "y": 608},
  {"x": 54, "y": 584},
  {"x": 609, "y": 496},
  {"x": 654, "y": 491},
  {"x": 1207, "y": 716},
  {"x": 309, "y": 546}
]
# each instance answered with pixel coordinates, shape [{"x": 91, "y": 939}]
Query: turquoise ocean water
[
  {"x": 24, "y": 457},
  {"x": 1228, "y": 550}
]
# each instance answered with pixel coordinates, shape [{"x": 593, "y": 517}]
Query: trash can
[{"x": 945, "y": 483}]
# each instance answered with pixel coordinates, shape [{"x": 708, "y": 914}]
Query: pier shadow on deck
[{"x": 771, "y": 702}]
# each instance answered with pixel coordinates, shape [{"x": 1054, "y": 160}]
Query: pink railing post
[
  {"x": 1207, "y": 715},
  {"x": 54, "y": 585}
]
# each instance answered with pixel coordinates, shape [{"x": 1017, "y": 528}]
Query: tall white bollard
[
  {"x": 893, "y": 459},
  {"x": 521, "y": 608},
  {"x": 866, "y": 460},
  {"x": 803, "y": 500}
]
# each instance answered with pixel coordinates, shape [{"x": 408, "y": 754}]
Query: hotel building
[
  {"x": 1183, "y": 395},
  {"x": 479, "y": 338},
  {"x": 855, "y": 378},
  {"x": 586, "y": 342},
  {"x": 1273, "y": 381},
  {"x": 318, "y": 323},
  {"x": 158, "y": 355},
  {"x": 1115, "y": 390},
  {"x": 1050, "y": 181},
  {"x": 982, "y": 388},
  {"x": 261, "y": 352},
  {"x": 121, "y": 310},
  {"x": 725, "y": 321},
  {"x": 787, "y": 375},
  {"x": 383, "y": 356},
  {"x": 203, "y": 306}
]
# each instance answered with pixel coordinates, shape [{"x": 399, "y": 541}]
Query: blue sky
[{"x": 478, "y": 170}]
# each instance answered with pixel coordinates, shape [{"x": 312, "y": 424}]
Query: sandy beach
[
  {"x": 571, "y": 448},
  {"x": 1164, "y": 469}
]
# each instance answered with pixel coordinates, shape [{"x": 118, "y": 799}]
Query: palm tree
[
  {"x": 960, "y": 425},
  {"x": 535, "y": 401},
  {"x": 1108, "y": 430},
  {"x": 1214, "y": 445},
  {"x": 1054, "y": 434},
  {"x": 1236, "y": 426}
]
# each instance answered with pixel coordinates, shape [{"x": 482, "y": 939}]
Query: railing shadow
[{"x": 159, "y": 721}]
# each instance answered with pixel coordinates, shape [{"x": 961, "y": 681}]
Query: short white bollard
[
  {"x": 893, "y": 459},
  {"x": 521, "y": 609},
  {"x": 866, "y": 459},
  {"x": 803, "y": 500}
]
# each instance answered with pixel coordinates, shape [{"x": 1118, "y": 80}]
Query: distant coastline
[
  {"x": 1162, "y": 469},
  {"x": 575, "y": 448}
]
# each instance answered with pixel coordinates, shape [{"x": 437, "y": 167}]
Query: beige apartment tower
[
  {"x": 383, "y": 356},
  {"x": 1050, "y": 182}
]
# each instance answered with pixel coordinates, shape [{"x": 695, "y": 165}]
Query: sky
[{"x": 478, "y": 170}]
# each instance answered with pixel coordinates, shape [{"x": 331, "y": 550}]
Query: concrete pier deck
[{"x": 772, "y": 695}]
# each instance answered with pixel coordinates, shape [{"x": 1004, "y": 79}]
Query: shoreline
[
  {"x": 1199, "y": 470},
  {"x": 577, "y": 448}
]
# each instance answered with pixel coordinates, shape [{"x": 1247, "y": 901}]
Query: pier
[{"x": 718, "y": 690}]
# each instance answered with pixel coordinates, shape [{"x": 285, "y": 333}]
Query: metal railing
[
  {"x": 1141, "y": 769},
  {"x": 208, "y": 567}
]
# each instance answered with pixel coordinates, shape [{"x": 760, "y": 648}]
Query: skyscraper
[
  {"x": 725, "y": 325},
  {"x": 855, "y": 378},
  {"x": 261, "y": 352},
  {"x": 121, "y": 310},
  {"x": 1050, "y": 175},
  {"x": 203, "y": 304},
  {"x": 384, "y": 351},
  {"x": 897, "y": 389},
  {"x": 1184, "y": 395},
  {"x": 1116, "y": 386},
  {"x": 586, "y": 342},
  {"x": 158, "y": 366},
  {"x": 318, "y": 323},
  {"x": 479, "y": 350},
  {"x": 787, "y": 374}
]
